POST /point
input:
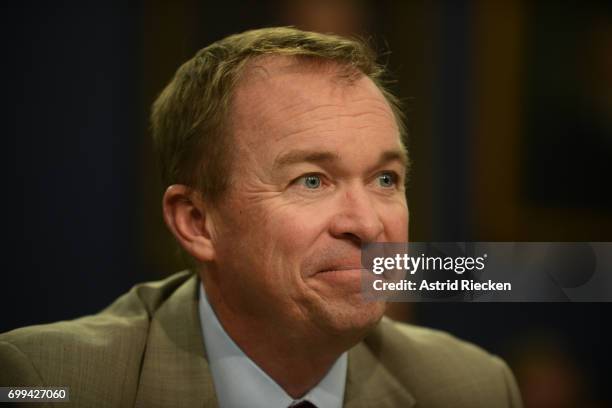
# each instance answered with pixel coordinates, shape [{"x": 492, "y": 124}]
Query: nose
[{"x": 357, "y": 218}]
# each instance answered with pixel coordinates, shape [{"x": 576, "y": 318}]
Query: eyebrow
[
  {"x": 319, "y": 157},
  {"x": 305, "y": 156}
]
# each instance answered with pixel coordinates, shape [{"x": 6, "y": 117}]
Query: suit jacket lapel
[
  {"x": 369, "y": 383},
  {"x": 175, "y": 369}
]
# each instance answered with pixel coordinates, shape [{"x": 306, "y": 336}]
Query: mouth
[
  {"x": 340, "y": 280},
  {"x": 344, "y": 274},
  {"x": 342, "y": 268}
]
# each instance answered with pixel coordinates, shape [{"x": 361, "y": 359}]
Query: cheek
[
  {"x": 295, "y": 230},
  {"x": 304, "y": 225},
  {"x": 276, "y": 238}
]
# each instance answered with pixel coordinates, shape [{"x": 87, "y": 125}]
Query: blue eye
[
  {"x": 311, "y": 182},
  {"x": 387, "y": 179}
]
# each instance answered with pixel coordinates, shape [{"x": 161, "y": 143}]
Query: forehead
[{"x": 284, "y": 100}]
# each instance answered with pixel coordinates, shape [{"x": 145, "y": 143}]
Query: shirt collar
[{"x": 239, "y": 381}]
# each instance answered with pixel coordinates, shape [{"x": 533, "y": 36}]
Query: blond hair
[{"x": 189, "y": 117}]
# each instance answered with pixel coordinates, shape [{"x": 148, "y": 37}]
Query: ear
[{"x": 187, "y": 218}]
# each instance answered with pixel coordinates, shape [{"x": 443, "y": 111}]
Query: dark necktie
[{"x": 303, "y": 404}]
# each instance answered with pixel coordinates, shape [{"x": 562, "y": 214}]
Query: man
[{"x": 282, "y": 153}]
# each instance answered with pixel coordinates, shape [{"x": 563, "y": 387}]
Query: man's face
[{"x": 318, "y": 169}]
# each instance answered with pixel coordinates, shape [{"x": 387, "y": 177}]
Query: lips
[
  {"x": 334, "y": 261},
  {"x": 341, "y": 268},
  {"x": 340, "y": 279}
]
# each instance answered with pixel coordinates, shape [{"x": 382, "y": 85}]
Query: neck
[{"x": 296, "y": 362}]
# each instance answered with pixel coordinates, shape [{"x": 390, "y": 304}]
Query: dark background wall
[
  {"x": 71, "y": 108},
  {"x": 509, "y": 107}
]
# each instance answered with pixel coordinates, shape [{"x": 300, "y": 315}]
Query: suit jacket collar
[
  {"x": 368, "y": 382},
  {"x": 175, "y": 369}
]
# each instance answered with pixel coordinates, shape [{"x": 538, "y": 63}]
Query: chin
[{"x": 354, "y": 321}]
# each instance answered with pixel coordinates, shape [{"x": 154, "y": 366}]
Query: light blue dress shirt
[{"x": 239, "y": 382}]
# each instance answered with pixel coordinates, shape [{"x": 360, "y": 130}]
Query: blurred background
[{"x": 509, "y": 107}]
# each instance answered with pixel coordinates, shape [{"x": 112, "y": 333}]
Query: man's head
[{"x": 307, "y": 164}]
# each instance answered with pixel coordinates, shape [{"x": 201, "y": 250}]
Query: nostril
[
  {"x": 353, "y": 238},
  {"x": 357, "y": 229}
]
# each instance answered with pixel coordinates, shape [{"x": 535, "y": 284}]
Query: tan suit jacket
[{"x": 146, "y": 350}]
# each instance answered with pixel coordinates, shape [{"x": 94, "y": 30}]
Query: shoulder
[
  {"x": 431, "y": 345},
  {"x": 440, "y": 368},
  {"x": 86, "y": 352}
]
